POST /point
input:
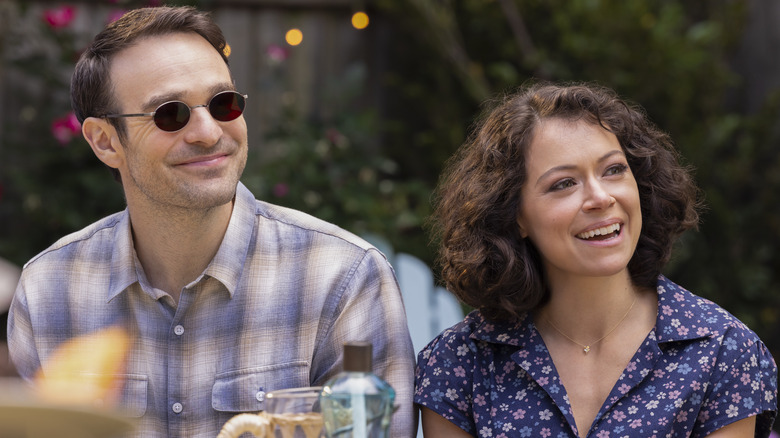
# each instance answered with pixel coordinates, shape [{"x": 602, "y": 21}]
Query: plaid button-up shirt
[{"x": 272, "y": 310}]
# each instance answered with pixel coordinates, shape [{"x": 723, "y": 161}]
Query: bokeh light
[
  {"x": 360, "y": 20},
  {"x": 293, "y": 37}
]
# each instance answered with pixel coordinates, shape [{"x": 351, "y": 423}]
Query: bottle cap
[{"x": 357, "y": 357}]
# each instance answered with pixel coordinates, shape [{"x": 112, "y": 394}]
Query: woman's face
[{"x": 580, "y": 202}]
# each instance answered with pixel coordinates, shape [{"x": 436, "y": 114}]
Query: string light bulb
[
  {"x": 293, "y": 37},
  {"x": 360, "y": 20}
]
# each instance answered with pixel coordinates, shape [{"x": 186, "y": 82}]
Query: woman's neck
[{"x": 589, "y": 307}]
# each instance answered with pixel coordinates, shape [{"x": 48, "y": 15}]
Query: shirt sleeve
[
  {"x": 744, "y": 384},
  {"x": 21, "y": 344},
  {"x": 444, "y": 374},
  {"x": 370, "y": 308}
]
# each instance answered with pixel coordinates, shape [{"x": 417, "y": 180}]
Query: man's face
[{"x": 197, "y": 167}]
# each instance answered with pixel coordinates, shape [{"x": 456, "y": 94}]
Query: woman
[{"x": 555, "y": 219}]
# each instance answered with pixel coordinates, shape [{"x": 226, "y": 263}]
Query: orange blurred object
[{"x": 85, "y": 370}]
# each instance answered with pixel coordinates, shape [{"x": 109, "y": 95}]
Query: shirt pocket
[
  {"x": 245, "y": 390},
  {"x": 134, "y": 397}
]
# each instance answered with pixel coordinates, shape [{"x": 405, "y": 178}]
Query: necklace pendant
[{"x": 586, "y": 349}]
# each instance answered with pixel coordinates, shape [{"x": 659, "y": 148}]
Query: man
[{"x": 226, "y": 298}]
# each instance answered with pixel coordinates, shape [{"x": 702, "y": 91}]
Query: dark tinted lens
[
  {"x": 226, "y": 106},
  {"x": 172, "y": 116}
]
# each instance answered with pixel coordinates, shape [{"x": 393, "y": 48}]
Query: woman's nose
[{"x": 597, "y": 196}]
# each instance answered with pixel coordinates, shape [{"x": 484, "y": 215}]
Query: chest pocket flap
[
  {"x": 134, "y": 395},
  {"x": 244, "y": 390}
]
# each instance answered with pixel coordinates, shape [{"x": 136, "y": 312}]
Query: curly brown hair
[{"x": 483, "y": 258}]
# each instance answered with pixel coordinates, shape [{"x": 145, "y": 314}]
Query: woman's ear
[
  {"x": 104, "y": 141},
  {"x": 523, "y": 232}
]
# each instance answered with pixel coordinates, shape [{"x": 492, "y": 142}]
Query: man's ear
[{"x": 104, "y": 141}]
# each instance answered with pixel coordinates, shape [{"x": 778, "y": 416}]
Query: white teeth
[{"x": 599, "y": 231}]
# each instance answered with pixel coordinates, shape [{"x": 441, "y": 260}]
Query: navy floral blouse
[{"x": 697, "y": 371}]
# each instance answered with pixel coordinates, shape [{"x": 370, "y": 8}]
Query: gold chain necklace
[{"x": 586, "y": 348}]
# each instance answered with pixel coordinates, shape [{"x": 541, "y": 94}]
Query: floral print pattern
[{"x": 698, "y": 370}]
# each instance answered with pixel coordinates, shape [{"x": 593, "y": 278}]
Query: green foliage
[{"x": 332, "y": 168}]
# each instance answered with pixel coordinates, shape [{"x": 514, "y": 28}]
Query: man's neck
[{"x": 175, "y": 246}]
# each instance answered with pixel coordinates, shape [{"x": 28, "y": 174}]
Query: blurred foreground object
[
  {"x": 24, "y": 415},
  {"x": 83, "y": 371},
  {"x": 9, "y": 277},
  {"x": 73, "y": 395}
]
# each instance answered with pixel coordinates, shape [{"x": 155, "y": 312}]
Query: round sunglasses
[{"x": 173, "y": 116}]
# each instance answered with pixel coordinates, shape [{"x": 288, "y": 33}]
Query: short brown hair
[
  {"x": 483, "y": 258},
  {"x": 90, "y": 87}
]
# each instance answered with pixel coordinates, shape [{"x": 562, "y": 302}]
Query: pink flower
[
  {"x": 116, "y": 14},
  {"x": 65, "y": 128},
  {"x": 281, "y": 190},
  {"x": 277, "y": 54},
  {"x": 59, "y": 17},
  {"x": 333, "y": 135}
]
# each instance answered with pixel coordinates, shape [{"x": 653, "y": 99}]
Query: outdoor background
[{"x": 354, "y": 125}]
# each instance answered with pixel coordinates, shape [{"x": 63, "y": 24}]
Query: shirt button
[
  {"x": 177, "y": 408},
  {"x": 179, "y": 330},
  {"x": 260, "y": 396}
]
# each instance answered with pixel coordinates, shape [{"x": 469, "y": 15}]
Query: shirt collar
[
  {"x": 682, "y": 316},
  {"x": 123, "y": 272},
  {"x": 227, "y": 265}
]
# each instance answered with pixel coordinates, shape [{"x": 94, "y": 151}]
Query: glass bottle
[{"x": 357, "y": 403}]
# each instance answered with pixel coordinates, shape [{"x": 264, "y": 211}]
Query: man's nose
[{"x": 202, "y": 129}]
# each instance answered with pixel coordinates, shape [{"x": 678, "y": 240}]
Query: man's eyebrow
[
  {"x": 160, "y": 99},
  {"x": 601, "y": 159},
  {"x": 226, "y": 86}
]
